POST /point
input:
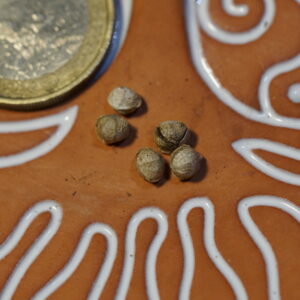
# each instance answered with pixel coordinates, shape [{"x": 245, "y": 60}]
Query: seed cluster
[
  {"x": 124, "y": 100},
  {"x": 185, "y": 162},
  {"x": 112, "y": 129},
  {"x": 171, "y": 137},
  {"x": 150, "y": 165}
]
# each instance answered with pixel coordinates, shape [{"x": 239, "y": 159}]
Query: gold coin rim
[{"x": 53, "y": 97}]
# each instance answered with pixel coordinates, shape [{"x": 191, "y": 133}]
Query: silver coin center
[{"x": 39, "y": 36}]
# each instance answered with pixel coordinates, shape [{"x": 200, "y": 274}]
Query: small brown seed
[
  {"x": 169, "y": 135},
  {"x": 150, "y": 165},
  {"x": 112, "y": 129},
  {"x": 124, "y": 100},
  {"x": 185, "y": 162}
]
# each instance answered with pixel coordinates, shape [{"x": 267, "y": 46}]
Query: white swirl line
[
  {"x": 236, "y": 10},
  {"x": 77, "y": 257},
  {"x": 130, "y": 252},
  {"x": 37, "y": 247},
  {"x": 235, "y": 38},
  {"x": 265, "y": 82},
  {"x": 245, "y": 148},
  {"x": 207, "y": 74},
  {"x": 260, "y": 240},
  {"x": 211, "y": 248},
  {"x": 64, "y": 120}
]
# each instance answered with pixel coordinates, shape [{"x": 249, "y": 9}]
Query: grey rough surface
[
  {"x": 112, "y": 129},
  {"x": 39, "y": 36},
  {"x": 185, "y": 162},
  {"x": 169, "y": 135},
  {"x": 150, "y": 165},
  {"x": 124, "y": 100}
]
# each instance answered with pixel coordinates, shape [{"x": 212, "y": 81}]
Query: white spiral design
[
  {"x": 198, "y": 14},
  {"x": 236, "y": 10},
  {"x": 236, "y": 38}
]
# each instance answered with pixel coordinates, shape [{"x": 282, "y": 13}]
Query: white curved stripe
[
  {"x": 267, "y": 78},
  {"x": 76, "y": 259},
  {"x": 37, "y": 247},
  {"x": 207, "y": 74},
  {"x": 210, "y": 246},
  {"x": 126, "y": 16},
  {"x": 260, "y": 240},
  {"x": 236, "y": 10},
  {"x": 245, "y": 148},
  {"x": 236, "y": 38},
  {"x": 130, "y": 252},
  {"x": 63, "y": 120}
]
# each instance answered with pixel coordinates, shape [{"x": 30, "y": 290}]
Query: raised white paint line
[
  {"x": 260, "y": 240},
  {"x": 294, "y": 92},
  {"x": 245, "y": 148},
  {"x": 96, "y": 228},
  {"x": 235, "y": 10},
  {"x": 264, "y": 87},
  {"x": 210, "y": 246},
  {"x": 64, "y": 122},
  {"x": 130, "y": 252},
  {"x": 126, "y": 7},
  {"x": 159, "y": 216},
  {"x": 197, "y": 17},
  {"x": 36, "y": 248},
  {"x": 236, "y": 38},
  {"x": 77, "y": 257}
]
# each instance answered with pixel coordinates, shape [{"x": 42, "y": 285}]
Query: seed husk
[
  {"x": 124, "y": 100},
  {"x": 150, "y": 165},
  {"x": 185, "y": 162},
  {"x": 112, "y": 129},
  {"x": 169, "y": 135}
]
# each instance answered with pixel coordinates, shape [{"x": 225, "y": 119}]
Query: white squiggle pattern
[
  {"x": 259, "y": 239},
  {"x": 210, "y": 245},
  {"x": 245, "y": 148},
  {"x": 96, "y": 228},
  {"x": 267, "y": 115},
  {"x": 63, "y": 120},
  {"x": 236, "y": 38},
  {"x": 77, "y": 257},
  {"x": 34, "y": 251},
  {"x": 264, "y": 86},
  {"x": 130, "y": 252}
]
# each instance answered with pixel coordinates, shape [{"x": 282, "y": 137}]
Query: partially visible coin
[{"x": 48, "y": 48}]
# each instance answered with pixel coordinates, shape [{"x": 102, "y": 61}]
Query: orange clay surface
[{"x": 98, "y": 183}]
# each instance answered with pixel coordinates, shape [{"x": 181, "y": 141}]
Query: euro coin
[{"x": 48, "y": 48}]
